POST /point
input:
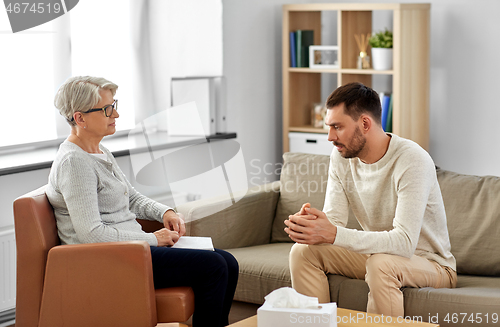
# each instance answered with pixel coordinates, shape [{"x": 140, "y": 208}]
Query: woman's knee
[
  {"x": 230, "y": 260},
  {"x": 213, "y": 265}
]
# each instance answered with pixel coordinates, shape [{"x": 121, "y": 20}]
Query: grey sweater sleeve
[
  {"x": 141, "y": 205},
  {"x": 79, "y": 184}
]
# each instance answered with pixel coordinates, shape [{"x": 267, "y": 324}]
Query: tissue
[
  {"x": 286, "y": 307},
  {"x": 287, "y": 297}
]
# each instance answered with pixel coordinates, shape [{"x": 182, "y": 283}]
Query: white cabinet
[{"x": 314, "y": 143}]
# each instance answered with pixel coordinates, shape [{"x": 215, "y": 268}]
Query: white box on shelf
[
  {"x": 314, "y": 143},
  {"x": 324, "y": 316}
]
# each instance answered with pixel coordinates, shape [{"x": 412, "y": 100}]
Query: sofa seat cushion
[
  {"x": 475, "y": 295},
  {"x": 263, "y": 268},
  {"x": 352, "y": 293}
]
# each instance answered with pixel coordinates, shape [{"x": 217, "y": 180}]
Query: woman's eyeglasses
[{"x": 108, "y": 110}]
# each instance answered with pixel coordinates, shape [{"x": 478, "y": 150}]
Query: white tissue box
[{"x": 326, "y": 316}]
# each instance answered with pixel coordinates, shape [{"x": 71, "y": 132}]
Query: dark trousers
[{"x": 211, "y": 274}]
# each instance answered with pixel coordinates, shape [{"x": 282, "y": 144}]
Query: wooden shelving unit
[{"x": 410, "y": 73}]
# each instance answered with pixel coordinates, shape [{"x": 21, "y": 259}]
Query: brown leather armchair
[{"x": 101, "y": 284}]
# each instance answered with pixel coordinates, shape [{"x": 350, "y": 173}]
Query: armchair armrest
[
  {"x": 107, "y": 279},
  {"x": 245, "y": 223}
]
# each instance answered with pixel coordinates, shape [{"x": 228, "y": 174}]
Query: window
[
  {"x": 32, "y": 68},
  {"x": 139, "y": 45},
  {"x": 26, "y": 84}
]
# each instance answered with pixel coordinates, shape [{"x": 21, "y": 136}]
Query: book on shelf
[
  {"x": 388, "y": 125},
  {"x": 298, "y": 47},
  {"x": 385, "y": 99},
  {"x": 300, "y": 44},
  {"x": 307, "y": 40},
  {"x": 293, "y": 57}
]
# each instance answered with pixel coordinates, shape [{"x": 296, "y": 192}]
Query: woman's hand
[
  {"x": 166, "y": 237},
  {"x": 174, "y": 222}
]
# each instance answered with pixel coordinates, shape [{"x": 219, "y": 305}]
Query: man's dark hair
[{"x": 357, "y": 99}]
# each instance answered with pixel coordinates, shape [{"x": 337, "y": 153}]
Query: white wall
[
  {"x": 252, "y": 67},
  {"x": 464, "y": 67}
]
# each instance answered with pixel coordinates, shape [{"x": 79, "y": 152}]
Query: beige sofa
[{"x": 252, "y": 230}]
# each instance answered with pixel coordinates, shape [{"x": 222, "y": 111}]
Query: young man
[{"x": 391, "y": 186}]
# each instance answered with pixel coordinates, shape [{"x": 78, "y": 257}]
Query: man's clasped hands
[{"x": 310, "y": 226}]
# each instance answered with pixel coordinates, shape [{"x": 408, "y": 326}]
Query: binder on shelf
[
  {"x": 385, "y": 97},
  {"x": 388, "y": 126},
  {"x": 303, "y": 39},
  {"x": 307, "y": 40},
  {"x": 293, "y": 57}
]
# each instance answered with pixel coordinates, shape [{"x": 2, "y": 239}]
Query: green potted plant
[{"x": 381, "y": 44}]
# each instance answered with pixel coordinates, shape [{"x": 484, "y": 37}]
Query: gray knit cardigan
[{"x": 94, "y": 202}]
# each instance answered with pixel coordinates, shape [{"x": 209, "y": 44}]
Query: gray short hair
[{"x": 79, "y": 94}]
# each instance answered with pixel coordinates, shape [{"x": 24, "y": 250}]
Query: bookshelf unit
[{"x": 410, "y": 73}]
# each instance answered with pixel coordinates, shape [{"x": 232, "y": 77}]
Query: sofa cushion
[
  {"x": 353, "y": 294},
  {"x": 303, "y": 179},
  {"x": 263, "y": 268},
  {"x": 245, "y": 223},
  {"x": 472, "y": 205},
  {"x": 479, "y": 296}
]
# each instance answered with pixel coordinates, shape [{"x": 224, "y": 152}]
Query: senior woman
[{"x": 94, "y": 202}]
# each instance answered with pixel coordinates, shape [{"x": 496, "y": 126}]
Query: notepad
[{"x": 194, "y": 242}]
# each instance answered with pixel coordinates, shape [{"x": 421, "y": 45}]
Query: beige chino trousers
[{"x": 385, "y": 274}]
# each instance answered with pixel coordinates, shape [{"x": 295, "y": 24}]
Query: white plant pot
[{"x": 382, "y": 58}]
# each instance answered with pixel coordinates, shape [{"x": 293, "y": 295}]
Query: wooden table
[{"x": 351, "y": 318}]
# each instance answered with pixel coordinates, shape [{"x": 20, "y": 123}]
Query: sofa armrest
[
  {"x": 107, "y": 279},
  {"x": 245, "y": 223}
]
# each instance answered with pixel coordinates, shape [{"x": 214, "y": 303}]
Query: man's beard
[{"x": 356, "y": 145}]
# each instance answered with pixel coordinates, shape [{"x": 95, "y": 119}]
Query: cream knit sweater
[
  {"x": 93, "y": 200},
  {"x": 396, "y": 200}
]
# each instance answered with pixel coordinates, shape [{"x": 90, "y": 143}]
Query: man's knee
[
  {"x": 301, "y": 256},
  {"x": 380, "y": 265},
  {"x": 298, "y": 253}
]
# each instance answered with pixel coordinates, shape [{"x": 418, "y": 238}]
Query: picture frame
[{"x": 323, "y": 56}]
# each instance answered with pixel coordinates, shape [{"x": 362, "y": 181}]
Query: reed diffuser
[{"x": 363, "y": 58}]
